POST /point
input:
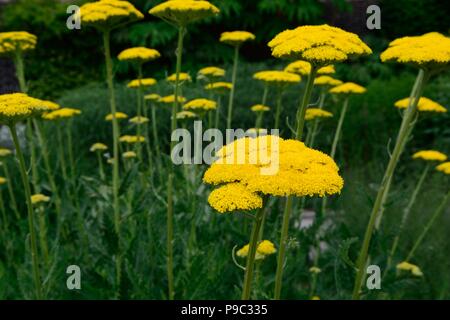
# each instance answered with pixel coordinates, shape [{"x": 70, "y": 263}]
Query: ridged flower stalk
[
  {"x": 139, "y": 109},
  {"x": 233, "y": 88},
  {"x": 402, "y": 138},
  {"x": 278, "y": 108},
  {"x": 289, "y": 202},
  {"x": 11, "y": 191}
]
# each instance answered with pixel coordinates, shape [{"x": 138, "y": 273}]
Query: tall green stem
[
  {"x": 139, "y": 109},
  {"x": 11, "y": 191},
  {"x": 20, "y": 71},
  {"x": 407, "y": 122},
  {"x": 62, "y": 156},
  {"x": 233, "y": 88},
  {"x": 316, "y": 123},
  {"x": 253, "y": 244},
  {"x": 216, "y": 121},
  {"x": 427, "y": 227},
  {"x": 26, "y": 185},
  {"x": 278, "y": 108},
  {"x": 304, "y": 104},
  {"x": 265, "y": 93}
]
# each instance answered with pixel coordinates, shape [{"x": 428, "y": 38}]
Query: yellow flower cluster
[
  {"x": 131, "y": 139},
  {"x": 129, "y": 155},
  {"x": 118, "y": 115},
  {"x": 260, "y": 108},
  {"x": 108, "y": 14},
  {"x": 5, "y": 152},
  {"x": 348, "y": 88},
  {"x": 315, "y": 270},
  {"x": 326, "y": 81},
  {"x": 277, "y": 77},
  {"x": 320, "y": 45},
  {"x": 139, "y": 120},
  {"x": 212, "y": 72},
  {"x": 185, "y": 115},
  {"x": 444, "y": 167},
  {"x": 38, "y": 198},
  {"x": 182, "y": 12},
  {"x": 429, "y": 51},
  {"x": 98, "y": 146},
  {"x": 406, "y": 266},
  {"x": 269, "y": 165},
  {"x": 138, "y": 54},
  {"x": 16, "y": 107},
  {"x": 147, "y": 82},
  {"x": 424, "y": 105},
  {"x": 182, "y": 77},
  {"x": 430, "y": 155},
  {"x": 264, "y": 248},
  {"x": 152, "y": 97},
  {"x": 219, "y": 87},
  {"x": 200, "y": 105},
  {"x": 236, "y": 38},
  {"x": 171, "y": 99},
  {"x": 3, "y": 180},
  {"x": 62, "y": 113},
  {"x": 314, "y": 113},
  {"x": 304, "y": 68},
  {"x": 16, "y": 42}
]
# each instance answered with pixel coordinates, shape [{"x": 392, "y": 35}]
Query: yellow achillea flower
[
  {"x": 38, "y": 198},
  {"x": 315, "y": 298},
  {"x": 277, "y": 77},
  {"x": 298, "y": 171},
  {"x": 236, "y": 38},
  {"x": 219, "y": 87},
  {"x": 182, "y": 77},
  {"x": 429, "y": 51},
  {"x": 200, "y": 104},
  {"x": 319, "y": 45},
  {"x": 406, "y": 266},
  {"x": 119, "y": 115},
  {"x": 326, "y": 81},
  {"x": 348, "y": 88},
  {"x": 15, "y": 107},
  {"x": 185, "y": 115},
  {"x": 260, "y": 108},
  {"x": 234, "y": 196},
  {"x": 139, "y": 120},
  {"x": 129, "y": 155},
  {"x": 147, "y": 82},
  {"x": 315, "y": 270},
  {"x": 264, "y": 248},
  {"x": 139, "y": 54},
  {"x": 106, "y": 15},
  {"x": 430, "y": 155},
  {"x": 212, "y": 72},
  {"x": 98, "y": 146},
  {"x": 5, "y": 152},
  {"x": 314, "y": 113},
  {"x": 16, "y": 41},
  {"x": 171, "y": 99},
  {"x": 182, "y": 12},
  {"x": 62, "y": 113},
  {"x": 132, "y": 139},
  {"x": 3, "y": 180},
  {"x": 444, "y": 167},
  {"x": 304, "y": 68},
  {"x": 424, "y": 105},
  {"x": 152, "y": 97}
]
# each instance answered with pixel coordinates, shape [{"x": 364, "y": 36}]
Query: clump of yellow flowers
[
  {"x": 424, "y": 105},
  {"x": 138, "y": 54},
  {"x": 430, "y": 155},
  {"x": 15, "y": 107},
  {"x": 16, "y": 41},
  {"x": 200, "y": 105},
  {"x": 146, "y": 82},
  {"x": 236, "y": 38},
  {"x": 316, "y": 113},
  {"x": 265, "y": 248}
]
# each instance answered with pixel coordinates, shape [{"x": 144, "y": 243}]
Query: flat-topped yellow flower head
[
  {"x": 200, "y": 105},
  {"x": 118, "y": 116},
  {"x": 348, "y": 88},
  {"x": 315, "y": 270},
  {"x": 106, "y": 15},
  {"x": 39, "y": 198},
  {"x": 406, "y": 266},
  {"x": 444, "y": 167},
  {"x": 171, "y": 99},
  {"x": 16, "y": 42},
  {"x": 259, "y": 108},
  {"x": 316, "y": 113},
  {"x": 319, "y": 45},
  {"x": 183, "y": 12},
  {"x": 152, "y": 97},
  {"x": 219, "y": 87},
  {"x": 5, "y": 152},
  {"x": 424, "y": 105},
  {"x": 236, "y": 38},
  {"x": 129, "y": 155},
  {"x": 278, "y": 78},
  {"x": 430, "y": 51},
  {"x": 3, "y": 180},
  {"x": 62, "y": 113},
  {"x": 98, "y": 146},
  {"x": 211, "y": 72},
  {"x": 326, "y": 81},
  {"x": 264, "y": 248},
  {"x": 182, "y": 115},
  {"x": 145, "y": 83},
  {"x": 430, "y": 155},
  {"x": 15, "y": 107},
  {"x": 132, "y": 139},
  {"x": 269, "y": 165},
  {"x": 183, "y": 76},
  {"x": 138, "y": 55},
  {"x": 304, "y": 68},
  {"x": 139, "y": 120}
]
